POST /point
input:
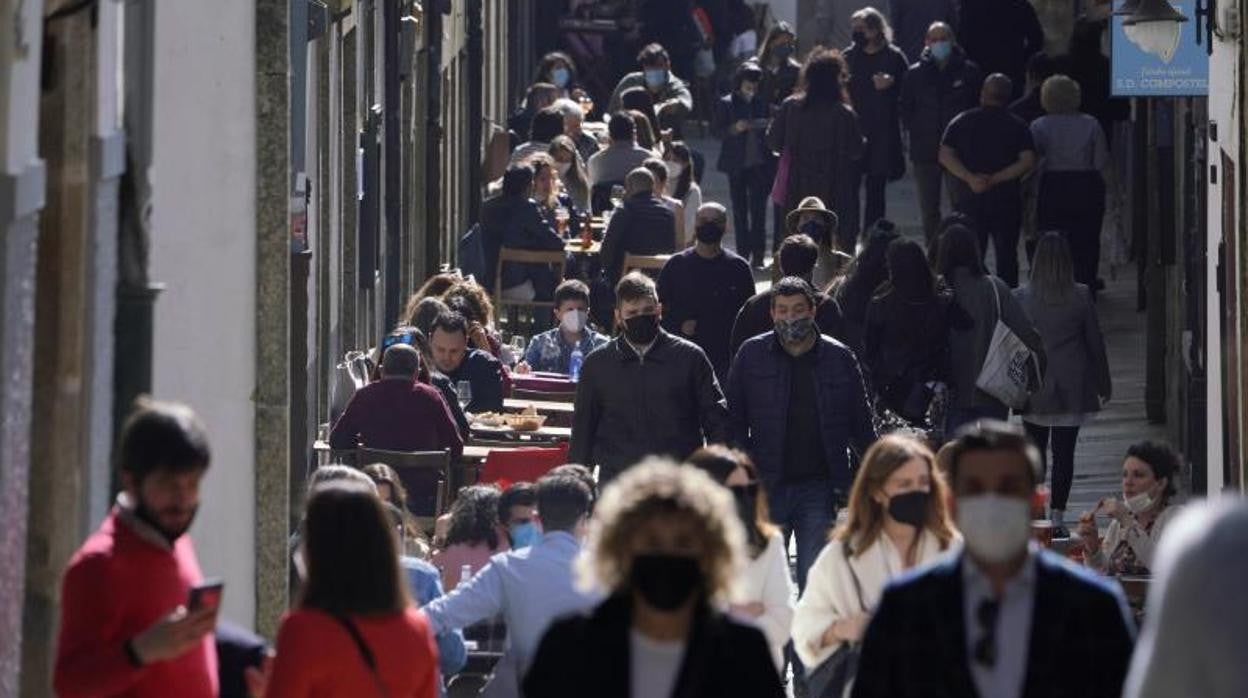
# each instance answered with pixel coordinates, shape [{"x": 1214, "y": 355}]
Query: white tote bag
[{"x": 1008, "y": 365}]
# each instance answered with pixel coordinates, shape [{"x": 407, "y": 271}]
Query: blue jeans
[{"x": 807, "y": 510}]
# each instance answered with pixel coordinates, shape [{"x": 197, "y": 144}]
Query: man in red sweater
[{"x": 125, "y": 630}]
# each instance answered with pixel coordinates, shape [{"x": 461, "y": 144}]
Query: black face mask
[
  {"x": 859, "y": 38},
  {"x": 815, "y": 229},
  {"x": 666, "y": 581},
  {"x": 641, "y": 329},
  {"x": 709, "y": 233},
  {"x": 784, "y": 52},
  {"x": 909, "y": 507}
]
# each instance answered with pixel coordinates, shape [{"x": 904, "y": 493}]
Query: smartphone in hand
[{"x": 206, "y": 595}]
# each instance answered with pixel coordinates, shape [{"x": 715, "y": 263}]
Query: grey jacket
[
  {"x": 971, "y": 328},
  {"x": 1077, "y": 375}
]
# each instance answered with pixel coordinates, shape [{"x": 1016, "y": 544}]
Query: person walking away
[
  {"x": 702, "y": 289},
  {"x": 740, "y": 121},
  {"x": 1076, "y": 383},
  {"x": 764, "y": 591},
  {"x": 987, "y": 150},
  {"x": 897, "y": 519},
  {"x": 1001, "y": 617},
  {"x": 780, "y": 77},
  {"x": 862, "y": 281},
  {"x": 797, "y": 405},
  {"x": 646, "y": 392},
  {"x": 666, "y": 551},
  {"x": 1192, "y": 640},
  {"x": 912, "y": 18},
  {"x": 797, "y": 257},
  {"x": 877, "y": 69},
  {"x": 1028, "y": 108},
  {"x": 530, "y": 588},
  {"x": 125, "y": 629},
  {"x": 938, "y": 87},
  {"x": 1000, "y": 35},
  {"x": 353, "y": 630},
  {"x": 980, "y": 300},
  {"x": 818, "y": 132},
  {"x": 658, "y": 169},
  {"x": 907, "y": 334},
  {"x": 1073, "y": 153}
]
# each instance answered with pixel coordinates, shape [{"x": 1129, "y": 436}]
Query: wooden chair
[
  {"x": 423, "y": 473},
  {"x": 511, "y": 255},
  {"x": 645, "y": 262}
]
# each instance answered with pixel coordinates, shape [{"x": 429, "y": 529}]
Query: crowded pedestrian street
[{"x": 623, "y": 349}]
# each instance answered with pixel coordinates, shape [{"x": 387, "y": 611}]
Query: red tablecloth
[{"x": 543, "y": 382}]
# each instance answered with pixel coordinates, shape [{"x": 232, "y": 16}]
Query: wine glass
[
  {"x": 463, "y": 390},
  {"x": 518, "y": 344},
  {"x": 617, "y": 196},
  {"x": 562, "y": 215}
]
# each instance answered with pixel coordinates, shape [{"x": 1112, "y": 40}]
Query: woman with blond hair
[
  {"x": 665, "y": 546},
  {"x": 897, "y": 519},
  {"x": 1072, "y": 151}
]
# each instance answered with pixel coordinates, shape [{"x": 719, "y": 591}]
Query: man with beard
[
  {"x": 646, "y": 392},
  {"x": 125, "y": 630}
]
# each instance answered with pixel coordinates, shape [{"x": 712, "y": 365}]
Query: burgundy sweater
[{"x": 397, "y": 415}]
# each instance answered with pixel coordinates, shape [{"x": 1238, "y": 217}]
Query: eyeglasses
[{"x": 986, "y": 646}]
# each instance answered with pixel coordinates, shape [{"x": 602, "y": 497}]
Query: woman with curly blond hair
[
  {"x": 665, "y": 547},
  {"x": 897, "y": 519}
]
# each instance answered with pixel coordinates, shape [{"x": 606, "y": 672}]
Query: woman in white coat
[
  {"x": 764, "y": 591},
  {"x": 897, "y": 519}
]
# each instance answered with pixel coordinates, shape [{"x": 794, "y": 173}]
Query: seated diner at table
[
  {"x": 1136, "y": 523},
  {"x": 468, "y": 535},
  {"x": 458, "y": 362},
  {"x": 551, "y": 351}
]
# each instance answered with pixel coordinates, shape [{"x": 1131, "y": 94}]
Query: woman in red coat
[{"x": 354, "y": 631}]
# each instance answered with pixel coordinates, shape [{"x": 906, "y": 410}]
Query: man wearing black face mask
[
  {"x": 647, "y": 392},
  {"x": 703, "y": 288},
  {"x": 797, "y": 404}
]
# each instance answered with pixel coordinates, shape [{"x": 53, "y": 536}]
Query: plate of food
[
  {"x": 491, "y": 419},
  {"x": 527, "y": 420}
]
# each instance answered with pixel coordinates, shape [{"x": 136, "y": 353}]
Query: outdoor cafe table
[
  {"x": 546, "y": 407},
  {"x": 543, "y": 382},
  {"x": 543, "y": 435},
  {"x": 575, "y": 248}
]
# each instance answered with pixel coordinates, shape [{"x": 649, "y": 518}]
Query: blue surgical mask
[
  {"x": 941, "y": 50},
  {"x": 522, "y": 534},
  {"x": 656, "y": 77},
  {"x": 560, "y": 77}
]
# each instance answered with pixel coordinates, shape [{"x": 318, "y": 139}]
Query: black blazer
[
  {"x": 728, "y": 110},
  {"x": 1081, "y": 636},
  {"x": 588, "y": 655}
]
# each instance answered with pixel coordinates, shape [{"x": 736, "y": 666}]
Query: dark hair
[
  {"x": 644, "y": 128},
  {"x": 471, "y": 300},
  {"x": 909, "y": 274},
  {"x": 382, "y": 474},
  {"x": 622, "y": 127},
  {"x": 653, "y": 54},
  {"x": 657, "y": 167},
  {"x": 517, "y": 179},
  {"x": 162, "y": 436},
  {"x": 547, "y": 124},
  {"x": 994, "y": 435},
  {"x": 635, "y": 286},
  {"x": 680, "y": 151},
  {"x": 571, "y": 290},
  {"x": 793, "y": 286},
  {"x": 959, "y": 249},
  {"x": 779, "y": 30},
  {"x": 581, "y": 473},
  {"x": 548, "y": 62},
  {"x": 351, "y": 553},
  {"x": 562, "y": 500},
  {"x": 639, "y": 99},
  {"x": 434, "y": 287},
  {"x": 821, "y": 81},
  {"x": 719, "y": 462},
  {"x": 798, "y": 255},
  {"x": 998, "y": 87},
  {"x": 867, "y": 272},
  {"x": 400, "y": 360},
  {"x": 749, "y": 71},
  {"x": 1162, "y": 459},
  {"x": 519, "y": 494},
  {"x": 426, "y": 312},
  {"x": 474, "y": 517},
  {"x": 1040, "y": 66},
  {"x": 450, "y": 322}
]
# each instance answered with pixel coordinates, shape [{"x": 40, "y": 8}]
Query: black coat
[
  {"x": 627, "y": 408},
  {"x": 517, "y": 222},
  {"x": 931, "y": 97},
  {"x": 589, "y": 655},
  {"x": 643, "y": 225},
  {"x": 1000, "y": 35},
  {"x": 877, "y": 109},
  {"x": 754, "y": 319},
  {"x": 736, "y": 146},
  {"x": 906, "y": 344}
]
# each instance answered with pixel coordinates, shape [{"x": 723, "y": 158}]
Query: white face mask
[
  {"x": 1138, "y": 503},
  {"x": 996, "y": 528},
  {"x": 573, "y": 321}
]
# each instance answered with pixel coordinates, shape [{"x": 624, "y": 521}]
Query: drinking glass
[
  {"x": 518, "y": 344},
  {"x": 617, "y": 195},
  {"x": 463, "y": 390},
  {"x": 562, "y": 215}
]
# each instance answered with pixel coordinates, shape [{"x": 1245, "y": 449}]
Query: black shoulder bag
[
  {"x": 365, "y": 653},
  {"x": 829, "y": 679}
]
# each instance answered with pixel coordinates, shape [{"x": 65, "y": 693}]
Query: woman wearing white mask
[
  {"x": 571, "y": 169},
  {"x": 682, "y": 181},
  {"x": 1137, "y": 522},
  {"x": 897, "y": 519}
]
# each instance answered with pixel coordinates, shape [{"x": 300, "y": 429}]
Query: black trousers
[
  {"x": 749, "y": 191},
  {"x": 1073, "y": 203},
  {"x": 873, "y": 208},
  {"x": 1063, "y": 440},
  {"x": 998, "y": 216}
]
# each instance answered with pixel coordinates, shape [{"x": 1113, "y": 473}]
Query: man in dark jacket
[
  {"x": 513, "y": 219},
  {"x": 703, "y": 287},
  {"x": 1028, "y": 107},
  {"x": 739, "y": 121},
  {"x": 458, "y": 362},
  {"x": 1000, "y": 35},
  {"x": 912, "y": 18},
  {"x": 645, "y": 393},
  {"x": 987, "y": 150},
  {"x": 643, "y": 225},
  {"x": 1002, "y": 617},
  {"x": 797, "y": 257},
  {"x": 797, "y": 404},
  {"x": 941, "y": 85}
]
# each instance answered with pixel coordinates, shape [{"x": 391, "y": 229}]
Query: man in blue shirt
[
  {"x": 551, "y": 351},
  {"x": 529, "y": 587}
]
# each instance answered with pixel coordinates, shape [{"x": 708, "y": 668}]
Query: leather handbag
[{"x": 831, "y": 678}]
